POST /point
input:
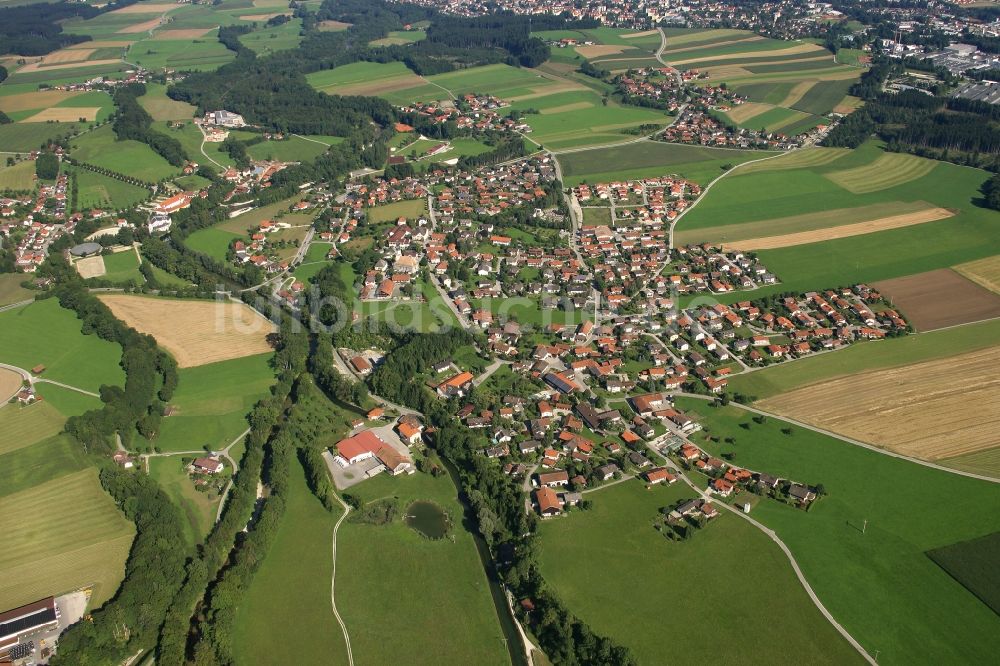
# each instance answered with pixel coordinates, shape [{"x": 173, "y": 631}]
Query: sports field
[
  {"x": 195, "y": 332},
  {"x": 62, "y": 535},
  {"x": 44, "y": 333},
  {"x": 123, "y": 267},
  {"x": 940, "y": 298},
  {"x": 985, "y": 272},
  {"x": 392, "y": 575},
  {"x": 936, "y": 409},
  {"x": 858, "y": 358},
  {"x": 212, "y": 401},
  {"x": 863, "y": 546},
  {"x": 647, "y": 583}
]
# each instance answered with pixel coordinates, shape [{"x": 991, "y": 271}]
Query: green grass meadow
[
  {"x": 391, "y": 574},
  {"x": 44, "y": 333},
  {"x": 62, "y": 534},
  {"x": 133, "y": 158},
  {"x": 212, "y": 401},
  {"x": 863, "y": 546},
  {"x": 286, "y": 608},
  {"x": 729, "y": 578},
  {"x": 197, "y": 507}
]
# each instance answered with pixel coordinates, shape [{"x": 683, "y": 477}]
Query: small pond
[{"x": 428, "y": 518}]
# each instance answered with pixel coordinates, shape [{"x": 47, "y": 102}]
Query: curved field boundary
[
  {"x": 842, "y": 231},
  {"x": 889, "y": 170},
  {"x": 809, "y": 157}
]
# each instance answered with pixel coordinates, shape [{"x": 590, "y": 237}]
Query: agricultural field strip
[
  {"x": 842, "y": 231},
  {"x": 806, "y": 222},
  {"x": 931, "y": 410}
]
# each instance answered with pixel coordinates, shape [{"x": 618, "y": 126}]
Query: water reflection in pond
[{"x": 428, "y": 518}]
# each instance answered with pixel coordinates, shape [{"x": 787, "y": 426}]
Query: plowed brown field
[{"x": 940, "y": 298}]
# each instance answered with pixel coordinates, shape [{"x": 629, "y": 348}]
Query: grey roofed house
[
  {"x": 767, "y": 480},
  {"x": 800, "y": 492},
  {"x": 589, "y": 415},
  {"x": 638, "y": 459},
  {"x": 86, "y": 249},
  {"x": 607, "y": 471}
]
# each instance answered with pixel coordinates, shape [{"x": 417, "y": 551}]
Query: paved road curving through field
[{"x": 333, "y": 580}]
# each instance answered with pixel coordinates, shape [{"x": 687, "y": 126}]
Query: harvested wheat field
[
  {"x": 847, "y": 105},
  {"x": 90, "y": 267},
  {"x": 984, "y": 272},
  {"x": 10, "y": 383},
  {"x": 375, "y": 88},
  {"x": 195, "y": 332},
  {"x": 931, "y": 410},
  {"x": 147, "y": 8},
  {"x": 797, "y": 92},
  {"x": 333, "y": 26},
  {"x": 36, "y": 66},
  {"x": 842, "y": 231},
  {"x": 744, "y": 112},
  {"x": 941, "y": 298},
  {"x": 103, "y": 44},
  {"x": 144, "y": 26},
  {"x": 722, "y": 72},
  {"x": 187, "y": 33},
  {"x": 69, "y": 114},
  {"x": 889, "y": 170},
  {"x": 599, "y": 50},
  {"x": 67, "y": 55},
  {"x": 34, "y": 100},
  {"x": 646, "y": 33}
]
